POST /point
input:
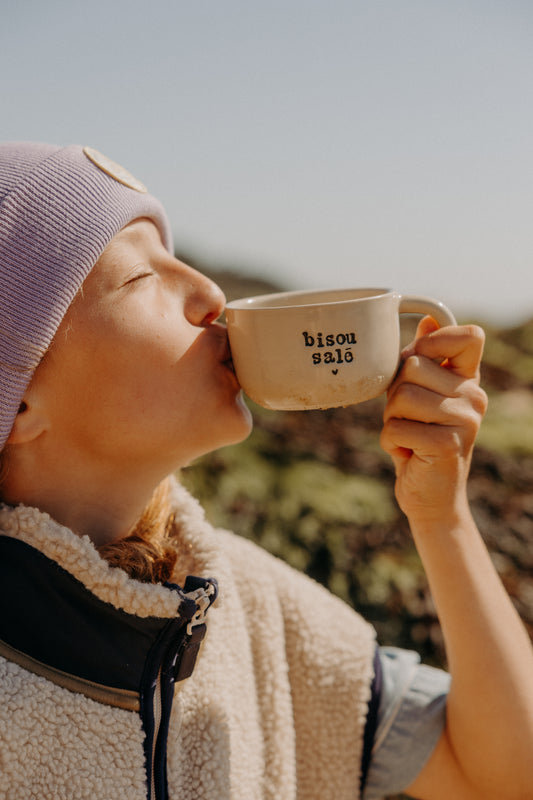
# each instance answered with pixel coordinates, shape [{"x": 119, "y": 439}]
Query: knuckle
[
  {"x": 466, "y": 427},
  {"x": 462, "y": 426},
  {"x": 387, "y": 439},
  {"x": 409, "y": 369},
  {"x": 451, "y": 444},
  {"x": 407, "y": 391},
  {"x": 480, "y": 401},
  {"x": 476, "y": 338},
  {"x": 474, "y": 332},
  {"x": 475, "y": 397},
  {"x": 470, "y": 426},
  {"x": 384, "y": 437}
]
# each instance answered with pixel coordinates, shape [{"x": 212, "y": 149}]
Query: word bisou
[{"x": 340, "y": 344}]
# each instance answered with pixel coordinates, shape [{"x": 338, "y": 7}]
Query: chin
[
  {"x": 241, "y": 425},
  {"x": 228, "y": 427}
]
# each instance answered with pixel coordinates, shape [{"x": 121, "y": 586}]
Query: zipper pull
[{"x": 203, "y": 597}]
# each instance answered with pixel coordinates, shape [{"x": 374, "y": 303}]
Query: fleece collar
[
  {"x": 77, "y": 555},
  {"x": 68, "y": 615}
]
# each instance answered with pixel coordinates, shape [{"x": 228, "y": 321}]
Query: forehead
[{"x": 139, "y": 234}]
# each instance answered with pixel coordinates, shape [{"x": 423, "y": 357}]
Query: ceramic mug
[{"x": 321, "y": 349}]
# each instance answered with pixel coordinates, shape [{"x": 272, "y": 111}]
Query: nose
[{"x": 204, "y": 301}]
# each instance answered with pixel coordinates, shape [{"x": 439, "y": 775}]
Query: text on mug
[
  {"x": 338, "y": 355},
  {"x": 329, "y": 340}
]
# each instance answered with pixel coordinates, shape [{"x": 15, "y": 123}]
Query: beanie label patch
[{"x": 114, "y": 170}]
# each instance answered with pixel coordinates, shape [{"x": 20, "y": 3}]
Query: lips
[
  {"x": 228, "y": 361},
  {"x": 226, "y": 358}
]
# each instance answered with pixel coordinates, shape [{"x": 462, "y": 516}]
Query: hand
[{"x": 433, "y": 413}]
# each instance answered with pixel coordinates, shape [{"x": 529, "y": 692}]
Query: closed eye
[{"x": 140, "y": 271}]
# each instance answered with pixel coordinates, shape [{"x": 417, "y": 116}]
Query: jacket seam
[{"x": 108, "y": 695}]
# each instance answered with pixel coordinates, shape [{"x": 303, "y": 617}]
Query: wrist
[{"x": 441, "y": 520}]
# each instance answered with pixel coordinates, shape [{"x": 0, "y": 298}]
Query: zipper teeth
[{"x": 157, "y": 711}]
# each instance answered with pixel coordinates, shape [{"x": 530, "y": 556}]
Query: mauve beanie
[{"x": 59, "y": 209}]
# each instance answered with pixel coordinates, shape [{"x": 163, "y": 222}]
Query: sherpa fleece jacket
[{"x": 95, "y": 701}]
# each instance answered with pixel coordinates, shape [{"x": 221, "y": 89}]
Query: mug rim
[{"x": 255, "y": 302}]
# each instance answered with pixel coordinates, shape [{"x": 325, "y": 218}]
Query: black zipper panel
[{"x": 52, "y": 617}]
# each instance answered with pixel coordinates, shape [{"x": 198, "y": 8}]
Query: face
[{"x": 139, "y": 372}]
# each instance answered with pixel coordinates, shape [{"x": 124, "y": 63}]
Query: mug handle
[{"x": 418, "y": 304}]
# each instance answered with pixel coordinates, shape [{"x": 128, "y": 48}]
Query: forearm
[
  {"x": 490, "y": 706},
  {"x": 432, "y": 417}
]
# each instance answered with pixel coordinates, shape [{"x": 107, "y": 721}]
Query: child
[{"x": 117, "y": 678}]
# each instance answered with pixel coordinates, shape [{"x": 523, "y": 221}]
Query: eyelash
[{"x": 138, "y": 277}]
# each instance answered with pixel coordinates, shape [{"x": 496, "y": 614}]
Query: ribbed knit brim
[{"x": 59, "y": 209}]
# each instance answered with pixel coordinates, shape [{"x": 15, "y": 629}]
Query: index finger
[{"x": 459, "y": 347}]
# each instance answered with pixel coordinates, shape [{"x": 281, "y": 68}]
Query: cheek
[
  {"x": 139, "y": 378},
  {"x": 112, "y": 367}
]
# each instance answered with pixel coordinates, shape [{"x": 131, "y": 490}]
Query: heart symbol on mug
[{"x": 334, "y": 371}]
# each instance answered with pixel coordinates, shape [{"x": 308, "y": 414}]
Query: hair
[{"x": 148, "y": 553}]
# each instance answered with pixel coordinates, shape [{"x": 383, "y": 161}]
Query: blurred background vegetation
[{"x": 316, "y": 489}]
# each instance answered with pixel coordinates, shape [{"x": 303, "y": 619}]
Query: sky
[{"x": 318, "y": 143}]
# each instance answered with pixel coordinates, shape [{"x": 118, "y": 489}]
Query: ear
[{"x": 29, "y": 424}]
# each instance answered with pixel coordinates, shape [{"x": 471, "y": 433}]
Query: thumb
[{"x": 425, "y": 326}]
